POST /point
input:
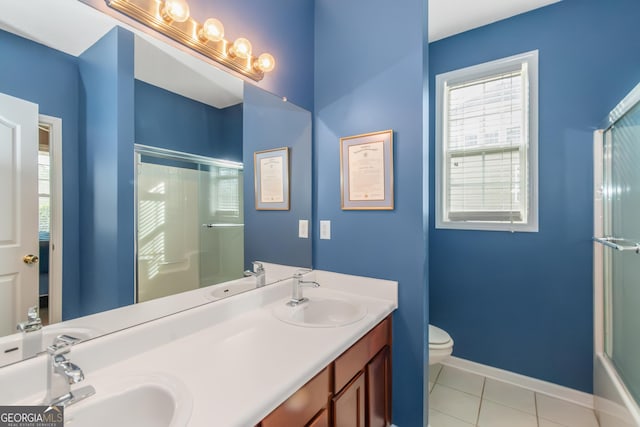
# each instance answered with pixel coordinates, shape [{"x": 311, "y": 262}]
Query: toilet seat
[
  {"x": 438, "y": 338},
  {"x": 440, "y": 345}
]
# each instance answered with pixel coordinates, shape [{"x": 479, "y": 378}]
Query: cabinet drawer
[
  {"x": 355, "y": 358},
  {"x": 300, "y": 408}
]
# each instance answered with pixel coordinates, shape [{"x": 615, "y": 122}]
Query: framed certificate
[
  {"x": 366, "y": 171},
  {"x": 271, "y": 172}
]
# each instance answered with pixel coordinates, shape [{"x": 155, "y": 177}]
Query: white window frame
[{"x": 530, "y": 224}]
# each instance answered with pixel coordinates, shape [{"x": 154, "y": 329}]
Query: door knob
[{"x": 30, "y": 259}]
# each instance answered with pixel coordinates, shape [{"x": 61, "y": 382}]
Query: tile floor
[{"x": 461, "y": 399}]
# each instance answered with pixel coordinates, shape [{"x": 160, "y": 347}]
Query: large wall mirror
[{"x": 128, "y": 167}]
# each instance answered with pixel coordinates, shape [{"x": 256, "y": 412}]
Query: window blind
[
  {"x": 44, "y": 193},
  {"x": 485, "y": 148},
  {"x": 226, "y": 195}
]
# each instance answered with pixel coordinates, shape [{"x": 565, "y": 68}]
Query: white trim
[
  {"x": 56, "y": 232},
  {"x": 607, "y": 399},
  {"x": 565, "y": 393},
  {"x": 598, "y": 279},
  {"x": 473, "y": 73}
]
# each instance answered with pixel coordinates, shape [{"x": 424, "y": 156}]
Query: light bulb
[
  {"x": 241, "y": 48},
  {"x": 265, "y": 62},
  {"x": 212, "y": 29},
  {"x": 175, "y": 10}
]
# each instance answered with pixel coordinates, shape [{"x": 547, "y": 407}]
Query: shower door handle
[{"x": 611, "y": 243}]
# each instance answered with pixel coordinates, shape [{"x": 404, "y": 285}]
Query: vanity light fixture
[
  {"x": 175, "y": 10},
  {"x": 172, "y": 19},
  {"x": 211, "y": 30},
  {"x": 265, "y": 62},
  {"x": 240, "y": 48}
]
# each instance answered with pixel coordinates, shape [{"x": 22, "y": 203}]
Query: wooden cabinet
[
  {"x": 353, "y": 391},
  {"x": 321, "y": 420},
  {"x": 354, "y": 360},
  {"x": 303, "y": 405},
  {"x": 349, "y": 405},
  {"x": 379, "y": 389}
]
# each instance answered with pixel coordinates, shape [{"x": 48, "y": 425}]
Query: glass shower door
[
  {"x": 222, "y": 227},
  {"x": 622, "y": 266},
  {"x": 190, "y": 222}
]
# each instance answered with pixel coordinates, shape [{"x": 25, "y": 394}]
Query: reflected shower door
[
  {"x": 189, "y": 223},
  {"x": 222, "y": 227},
  {"x": 622, "y": 268}
]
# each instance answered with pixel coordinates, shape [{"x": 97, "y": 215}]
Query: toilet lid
[{"x": 438, "y": 336}]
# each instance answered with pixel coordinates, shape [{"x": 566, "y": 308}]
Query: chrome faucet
[
  {"x": 296, "y": 290},
  {"x": 33, "y": 322},
  {"x": 31, "y": 333},
  {"x": 258, "y": 273},
  {"x": 61, "y": 374}
]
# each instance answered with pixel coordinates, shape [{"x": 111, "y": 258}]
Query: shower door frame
[
  {"x": 612, "y": 400},
  {"x": 138, "y": 151}
]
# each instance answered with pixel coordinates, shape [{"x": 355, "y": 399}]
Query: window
[
  {"x": 486, "y": 146},
  {"x": 44, "y": 184},
  {"x": 225, "y": 200}
]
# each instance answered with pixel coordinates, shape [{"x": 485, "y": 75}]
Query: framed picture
[
  {"x": 366, "y": 171},
  {"x": 271, "y": 172}
]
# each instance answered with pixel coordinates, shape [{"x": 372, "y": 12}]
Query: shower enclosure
[
  {"x": 617, "y": 265},
  {"x": 190, "y": 222}
]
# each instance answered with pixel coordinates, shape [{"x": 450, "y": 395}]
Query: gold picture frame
[
  {"x": 366, "y": 171},
  {"x": 271, "y": 176}
]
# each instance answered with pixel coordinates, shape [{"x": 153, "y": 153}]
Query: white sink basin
[
  {"x": 321, "y": 312},
  {"x": 140, "y": 402}
]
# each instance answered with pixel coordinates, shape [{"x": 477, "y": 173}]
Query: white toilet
[{"x": 440, "y": 345}]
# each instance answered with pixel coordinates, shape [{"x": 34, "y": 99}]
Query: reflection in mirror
[
  {"x": 95, "y": 88},
  {"x": 189, "y": 222}
]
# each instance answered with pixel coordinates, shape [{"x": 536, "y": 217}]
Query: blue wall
[
  {"x": 106, "y": 170},
  {"x": 271, "y": 123},
  {"x": 370, "y": 73},
  {"x": 283, "y": 28},
  {"x": 523, "y": 302},
  {"x": 50, "y": 79},
  {"x": 167, "y": 120}
]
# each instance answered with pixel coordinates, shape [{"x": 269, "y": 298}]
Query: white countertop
[{"x": 235, "y": 358}]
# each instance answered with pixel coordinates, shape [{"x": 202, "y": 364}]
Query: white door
[{"x": 18, "y": 210}]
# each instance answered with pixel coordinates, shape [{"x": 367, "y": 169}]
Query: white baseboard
[{"x": 540, "y": 386}]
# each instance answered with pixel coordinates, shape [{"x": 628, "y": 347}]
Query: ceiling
[
  {"x": 449, "y": 17},
  {"x": 77, "y": 26}
]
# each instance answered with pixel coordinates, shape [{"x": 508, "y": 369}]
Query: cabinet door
[
  {"x": 303, "y": 405},
  {"x": 379, "y": 389},
  {"x": 349, "y": 405},
  {"x": 322, "y": 420}
]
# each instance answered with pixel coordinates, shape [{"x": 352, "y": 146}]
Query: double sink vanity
[{"x": 255, "y": 359}]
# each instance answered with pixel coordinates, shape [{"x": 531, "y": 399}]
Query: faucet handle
[
  {"x": 258, "y": 267},
  {"x": 62, "y": 345},
  {"x": 72, "y": 372},
  {"x": 33, "y": 322},
  {"x": 32, "y": 314}
]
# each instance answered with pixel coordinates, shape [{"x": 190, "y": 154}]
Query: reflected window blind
[
  {"x": 44, "y": 194},
  {"x": 485, "y": 148},
  {"x": 226, "y": 188}
]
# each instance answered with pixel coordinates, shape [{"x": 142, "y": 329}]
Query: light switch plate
[
  {"x": 325, "y": 229},
  {"x": 303, "y": 229}
]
